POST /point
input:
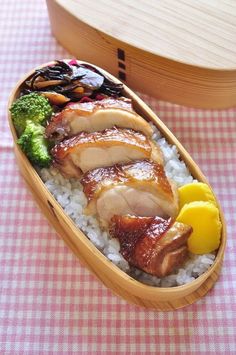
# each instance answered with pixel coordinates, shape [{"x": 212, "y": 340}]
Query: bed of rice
[{"x": 69, "y": 194}]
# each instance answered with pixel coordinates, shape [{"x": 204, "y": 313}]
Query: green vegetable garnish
[
  {"x": 35, "y": 146},
  {"x": 32, "y": 107}
]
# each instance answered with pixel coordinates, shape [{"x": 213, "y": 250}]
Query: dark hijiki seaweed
[
  {"x": 108, "y": 87},
  {"x": 72, "y": 76}
]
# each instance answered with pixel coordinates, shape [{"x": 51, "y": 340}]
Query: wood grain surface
[
  {"x": 180, "y": 51},
  {"x": 197, "y": 32},
  {"x": 119, "y": 282}
]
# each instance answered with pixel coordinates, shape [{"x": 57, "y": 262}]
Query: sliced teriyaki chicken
[
  {"x": 96, "y": 116},
  {"x": 88, "y": 151},
  {"x": 152, "y": 244},
  {"x": 140, "y": 188}
]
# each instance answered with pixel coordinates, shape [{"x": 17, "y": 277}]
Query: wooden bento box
[{"x": 118, "y": 281}]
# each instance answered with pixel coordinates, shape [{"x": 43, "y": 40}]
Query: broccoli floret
[
  {"x": 34, "y": 144},
  {"x": 32, "y": 107}
]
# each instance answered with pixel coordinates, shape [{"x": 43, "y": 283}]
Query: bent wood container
[
  {"x": 178, "y": 51},
  {"x": 115, "y": 279}
]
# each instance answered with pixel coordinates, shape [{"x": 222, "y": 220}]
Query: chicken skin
[
  {"x": 88, "y": 151},
  {"x": 140, "y": 188},
  {"x": 152, "y": 244},
  {"x": 96, "y": 116}
]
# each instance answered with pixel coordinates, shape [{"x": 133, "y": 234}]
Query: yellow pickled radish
[
  {"x": 195, "y": 192},
  {"x": 205, "y": 220}
]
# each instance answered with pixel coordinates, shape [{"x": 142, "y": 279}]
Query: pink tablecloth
[{"x": 49, "y": 303}]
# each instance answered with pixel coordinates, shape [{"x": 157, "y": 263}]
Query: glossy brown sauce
[{"x": 142, "y": 170}]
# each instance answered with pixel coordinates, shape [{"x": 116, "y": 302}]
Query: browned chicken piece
[
  {"x": 152, "y": 244},
  {"x": 140, "y": 188},
  {"x": 88, "y": 151},
  {"x": 96, "y": 116}
]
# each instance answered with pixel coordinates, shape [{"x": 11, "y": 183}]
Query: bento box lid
[{"x": 179, "y": 51}]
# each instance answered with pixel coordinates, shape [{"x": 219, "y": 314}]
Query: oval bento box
[{"x": 159, "y": 298}]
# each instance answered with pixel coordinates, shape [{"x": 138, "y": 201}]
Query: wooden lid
[
  {"x": 197, "y": 32},
  {"x": 182, "y": 51}
]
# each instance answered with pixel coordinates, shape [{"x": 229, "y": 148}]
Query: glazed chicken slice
[
  {"x": 152, "y": 244},
  {"x": 96, "y": 116},
  {"x": 88, "y": 151},
  {"x": 140, "y": 188}
]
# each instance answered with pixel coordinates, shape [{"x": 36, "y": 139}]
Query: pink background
[{"x": 49, "y": 303}]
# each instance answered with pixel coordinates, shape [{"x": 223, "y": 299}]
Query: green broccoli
[
  {"x": 35, "y": 146},
  {"x": 32, "y": 107}
]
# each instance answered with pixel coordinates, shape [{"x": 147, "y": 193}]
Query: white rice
[{"x": 69, "y": 194}]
